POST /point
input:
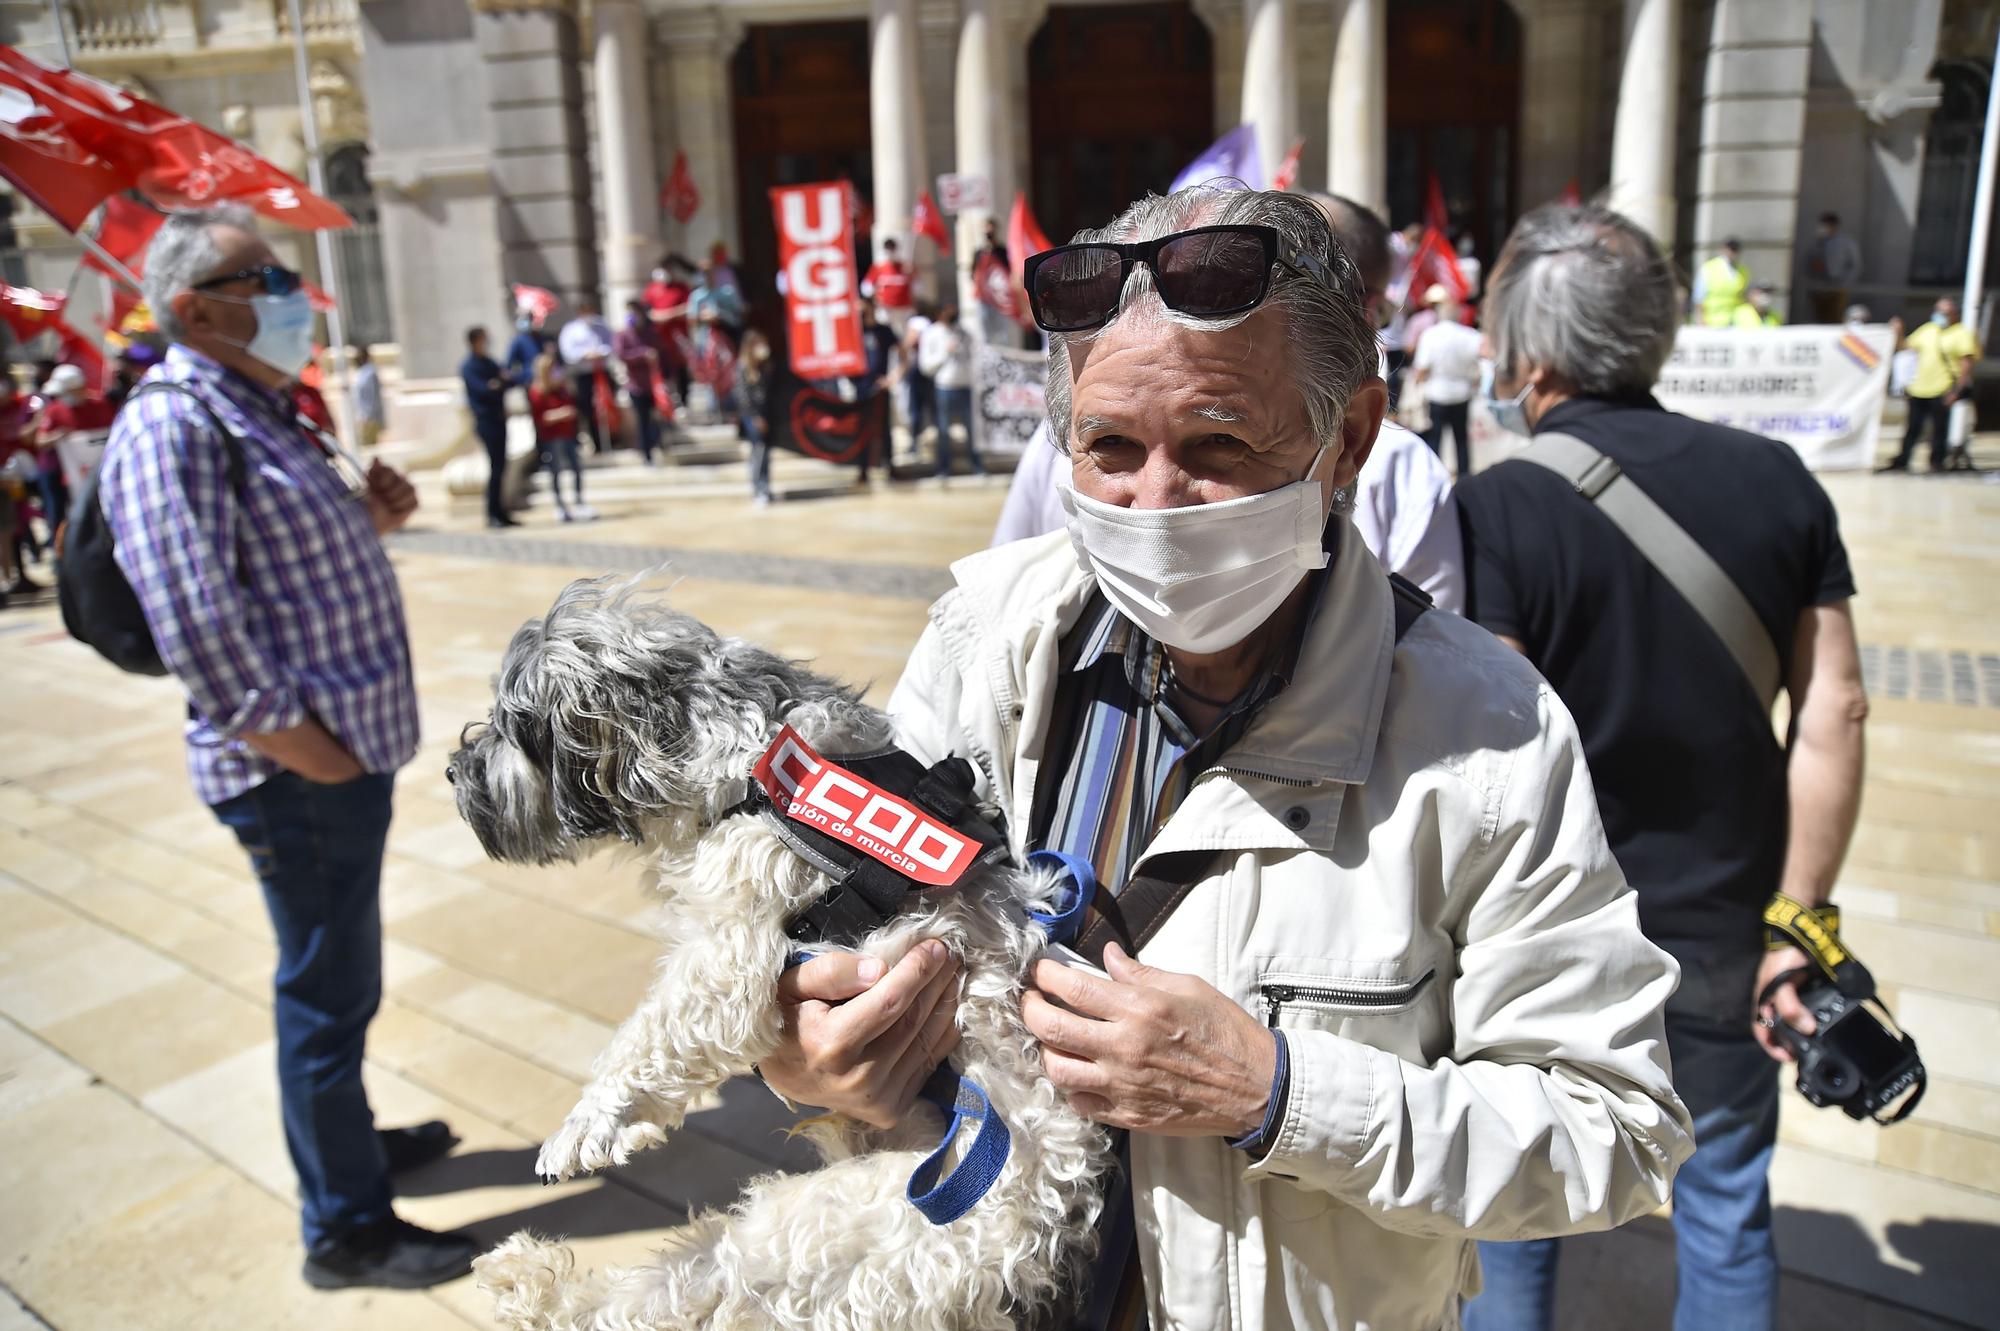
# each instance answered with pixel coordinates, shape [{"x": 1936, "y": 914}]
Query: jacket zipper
[
  {"x": 1300, "y": 782},
  {"x": 1277, "y": 995}
]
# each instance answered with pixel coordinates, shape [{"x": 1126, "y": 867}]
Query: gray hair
[
  {"x": 1585, "y": 293},
  {"x": 1332, "y": 347},
  {"x": 183, "y": 251}
]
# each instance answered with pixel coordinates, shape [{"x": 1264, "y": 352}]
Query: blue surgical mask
[
  {"x": 284, "y": 339},
  {"x": 1510, "y": 413},
  {"x": 1940, "y": 320}
]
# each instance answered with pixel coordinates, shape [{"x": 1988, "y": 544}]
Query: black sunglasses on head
[
  {"x": 277, "y": 281},
  {"x": 1209, "y": 272}
]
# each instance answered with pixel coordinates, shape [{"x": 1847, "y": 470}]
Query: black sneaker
[
  {"x": 389, "y": 1254},
  {"x": 416, "y": 1146}
]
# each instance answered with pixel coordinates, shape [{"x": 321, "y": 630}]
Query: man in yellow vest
[
  {"x": 1757, "y": 311},
  {"x": 1720, "y": 286},
  {"x": 1946, "y": 352}
]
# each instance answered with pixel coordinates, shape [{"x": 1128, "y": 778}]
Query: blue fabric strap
[
  {"x": 943, "y": 1201},
  {"x": 1067, "y": 922}
]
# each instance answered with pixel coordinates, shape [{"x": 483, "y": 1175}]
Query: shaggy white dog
[{"x": 617, "y": 717}]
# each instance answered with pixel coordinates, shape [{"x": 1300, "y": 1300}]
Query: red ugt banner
[{"x": 816, "y": 255}]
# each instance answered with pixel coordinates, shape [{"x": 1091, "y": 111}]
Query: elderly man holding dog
[{"x": 1401, "y": 1001}]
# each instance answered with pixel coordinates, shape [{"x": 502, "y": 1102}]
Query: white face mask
[
  {"x": 1200, "y": 578},
  {"x": 284, "y": 339}
]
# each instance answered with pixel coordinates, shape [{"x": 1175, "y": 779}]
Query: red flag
[
  {"x": 1024, "y": 238},
  {"x": 30, "y": 313},
  {"x": 678, "y": 196},
  {"x": 123, "y": 230},
  {"x": 538, "y": 303},
  {"x": 928, "y": 221},
  {"x": 816, "y": 254},
  {"x": 1571, "y": 197},
  {"x": 123, "y": 301},
  {"x": 606, "y": 403},
  {"x": 321, "y": 300},
  {"x": 663, "y": 401},
  {"x": 1436, "y": 263},
  {"x": 74, "y": 348},
  {"x": 1287, "y": 175},
  {"x": 69, "y": 141}
]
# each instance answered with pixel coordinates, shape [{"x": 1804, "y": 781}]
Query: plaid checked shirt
[{"x": 269, "y": 609}]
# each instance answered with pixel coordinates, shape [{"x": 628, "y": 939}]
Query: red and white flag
[
  {"x": 816, "y": 255},
  {"x": 538, "y": 303},
  {"x": 1436, "y": 263},
  {"x": 926, "y": 220},
  {"x": 1287, "y": 174},
  {"x": 124, "y": 229},
  {"x": 678, "y": 196}
]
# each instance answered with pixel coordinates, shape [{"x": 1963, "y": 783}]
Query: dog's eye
[{"x": 451, "y": 774}]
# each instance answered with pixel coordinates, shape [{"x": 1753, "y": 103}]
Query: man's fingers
[
  {"x": 1057, "y": 1029},
  {"x": 934, "y": 1043},
  {"x": 1073, "y": 1074},
  {"x": 937, "y": 998},
  {"x": 831, "y": 977},
  {"x": 1079, "y": 990},
  {"x": 1792, "y": 1012},
  {"x": 875, "y": 1011},
  {"x": 1772, "y": 1045}
]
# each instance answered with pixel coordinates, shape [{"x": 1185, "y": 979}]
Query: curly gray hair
[
  {"x": 1333, "y": 347},
  {"x": 1586, "y": 293},
  {"x": 182, "y": 252}
]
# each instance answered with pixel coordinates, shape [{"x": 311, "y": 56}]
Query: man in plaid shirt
[{"x": 271, "y": 599}]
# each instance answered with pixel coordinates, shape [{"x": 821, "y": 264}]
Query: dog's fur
[{"x": 616, "y": 717}]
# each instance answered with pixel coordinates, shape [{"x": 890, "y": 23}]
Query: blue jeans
[
  {"x": 1727, "y": 1277},
  {"x": 760, "y": 457},
  {"x": 955, "y": 404},
  {"x": 317, "y": 851},
  {"x": 642, "y": 411}
]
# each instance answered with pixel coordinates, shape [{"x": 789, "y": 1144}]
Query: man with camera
[{"x": 1671, "y": 678}]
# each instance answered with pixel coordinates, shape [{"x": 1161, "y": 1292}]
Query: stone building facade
[{"x": 498, "y": 141}]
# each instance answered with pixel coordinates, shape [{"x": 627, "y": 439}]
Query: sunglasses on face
[
  {"x": 1209, "y": 272},
  {"x": 276, "y": 281}
]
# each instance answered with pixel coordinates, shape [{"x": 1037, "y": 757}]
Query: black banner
[{"x": 822, "y": 425}]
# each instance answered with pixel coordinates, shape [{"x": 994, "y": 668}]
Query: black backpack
[{"x": 99, "y": 606}]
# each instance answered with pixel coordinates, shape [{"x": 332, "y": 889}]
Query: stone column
[
  {"x": 1270, "y": 79},
  {"x": 1753, "y": 115},
  {"x": 627, "y": 167},
  {"x": 1561, "y": 96},
  {"x": 1642, "y": 135},
  {"x": 535, "y": 130},
  {"x": 1357, "y": 116},
  {"x": 698, "y": 44},
  {"x": 985, "y": 131},
  {"x": 896, "y": 119}
]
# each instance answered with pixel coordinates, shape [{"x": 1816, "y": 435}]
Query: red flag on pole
[
  {"x": 69, "y": 141},
  {"x": 123, "y": 231},
  {"x": 678, "y": 196},
  {"x": 30, "y": 313},
  {"x": 1436, "y": 263},
  {"x": 1024, "y": 238},
  {"x": 816, "y": 253},
  {"x": 1287, "y": 175},
  {"x": 1572, "y": 197},
  {"x": 926, "y": 220},
  {"x": 320, "y": 300},
  {"x": 537, "y": 303}
]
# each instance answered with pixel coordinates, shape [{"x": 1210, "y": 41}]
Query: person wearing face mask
[
  {"x": 1946, "y": 351},
  {"x": 1396, "y": 998},
  {"x": 271, "y": 600},
  {"x": 1709, "y": 813}
]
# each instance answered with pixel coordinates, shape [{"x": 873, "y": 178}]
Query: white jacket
[{"x": 1411, "y": 825}]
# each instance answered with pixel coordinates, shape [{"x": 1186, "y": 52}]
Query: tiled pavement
[{"x": 141, "y": 1164}]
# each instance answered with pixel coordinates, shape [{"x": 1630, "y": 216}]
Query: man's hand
[
  {"x": 860, "y": 1042},
  {"x": 391, "y": 497},
  {"x": 1784, "y": 1005},
  {"x": 1151, "y": 1050}
]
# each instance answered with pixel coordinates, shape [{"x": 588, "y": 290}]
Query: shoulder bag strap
[
  {"x": 234, "y": 467},
  {"x": 1669, "y": 549},
  {"x": 1134, "y": 915}
]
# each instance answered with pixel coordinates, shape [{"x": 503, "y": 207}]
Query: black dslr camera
[{"x": 1852, "y": 1059}]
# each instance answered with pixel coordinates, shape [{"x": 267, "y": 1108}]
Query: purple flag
[{"x": 1231, "y": 157}]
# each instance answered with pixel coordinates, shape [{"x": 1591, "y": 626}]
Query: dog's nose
[{"x": 451, "y": 774}]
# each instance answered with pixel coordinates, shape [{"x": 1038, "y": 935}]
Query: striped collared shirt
[{"x": 272, "y": 607}]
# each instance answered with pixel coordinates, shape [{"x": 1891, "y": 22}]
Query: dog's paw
[{"x": 584, "y": 1144}]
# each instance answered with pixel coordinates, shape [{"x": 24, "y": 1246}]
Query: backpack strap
[
  {"x": 1674, "y": 555},
  {"x": 234, "y": 468}
]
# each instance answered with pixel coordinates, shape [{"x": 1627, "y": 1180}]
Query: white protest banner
[
  {"x": 1818, "y": 387},
  {"x": 1009, "y": 401},
  {"x": 956, "y": 193}
]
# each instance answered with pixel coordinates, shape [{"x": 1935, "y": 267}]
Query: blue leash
[{"x": 943, "y": 1200}]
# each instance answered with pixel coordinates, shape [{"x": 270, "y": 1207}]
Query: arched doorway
[
  {"x": 1120, "y": 98},
  {"x": 801, "y": 112},
  {"x": 1454, "y": 102},
  {"x": 364, "y": 290}
]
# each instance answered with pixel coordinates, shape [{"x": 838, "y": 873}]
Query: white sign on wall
[
  {"x": 1818, "y": 387},
  {"x": 957, "y": 193}
]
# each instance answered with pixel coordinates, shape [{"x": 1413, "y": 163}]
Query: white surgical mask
[
  {"x": 284, "y": 339},
  {"x": 1509, "y": 413},
  {"x": 1200, "y": 578}
]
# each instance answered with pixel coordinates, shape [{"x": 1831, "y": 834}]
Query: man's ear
[
  {"x": 1359, "y": 426},
  {"x": 192, "y": 311}
]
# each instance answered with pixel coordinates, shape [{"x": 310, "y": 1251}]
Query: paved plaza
[{"x": 141, "y": 1160}]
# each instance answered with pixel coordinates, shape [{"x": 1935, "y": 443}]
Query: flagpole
[
  {"x": 62, "y": 34},
  {"x": 329, "y": 265}
]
